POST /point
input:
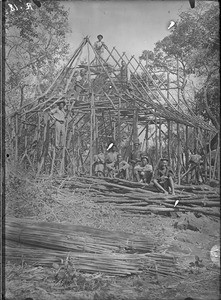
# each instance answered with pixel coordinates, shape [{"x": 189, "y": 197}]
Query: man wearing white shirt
[
  {"x": 59, "y": 115},
  {"x": 99, "y": 47}
]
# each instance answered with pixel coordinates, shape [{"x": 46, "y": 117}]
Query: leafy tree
[
  {"x": 35, "y": 49},
  {"x": 194, "y": 43}
]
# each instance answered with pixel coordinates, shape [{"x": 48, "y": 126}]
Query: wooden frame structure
[{"x": 106, "y": 108}]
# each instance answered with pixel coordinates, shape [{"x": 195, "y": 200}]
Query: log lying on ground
[{"x": 121, "y": 192}]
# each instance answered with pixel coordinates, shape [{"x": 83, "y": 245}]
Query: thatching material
[
  {"x": 67, "y": 237},
  {"x": 117, "y": 264},
  {"x": 87, "y": 249}
]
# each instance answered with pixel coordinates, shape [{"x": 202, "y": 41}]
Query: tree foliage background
[
  {"x": 194, "y": 42},
  {"x": 35, "y": 49}
]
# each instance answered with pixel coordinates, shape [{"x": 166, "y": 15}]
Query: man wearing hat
[
  {"x": 111, "y": 159},
  {"x": 59, "y": 115},
  {"x": 121, "y": 168},
  {"x": 144, "y": 171},
  {"x": 135, "y": 156},
  {"x": 163, "y": 178}
]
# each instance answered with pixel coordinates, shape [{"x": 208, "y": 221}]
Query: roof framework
[{"x": 106, "y": 105}]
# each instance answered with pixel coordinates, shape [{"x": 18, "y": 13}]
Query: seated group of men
[{"x": 138, "y": 168}]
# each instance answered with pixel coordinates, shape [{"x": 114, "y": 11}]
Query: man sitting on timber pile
[
  {"x": 144, "y": 171},
  {"x": 121, "y": 168},
  {"x": 135, "y": 157},
  {"x": 99, "y": 161},
  {"x": 163, "y": 179},
  {"x": 111, "y": 159},
  {"x": 59, "y": 115}
]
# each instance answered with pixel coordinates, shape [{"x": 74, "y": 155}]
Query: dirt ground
[{"x": 41, "y": 201}]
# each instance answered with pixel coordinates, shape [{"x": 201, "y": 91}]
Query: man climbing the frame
[
  {"x": 59, "y": 115},
  {"x": 163, "y": 178}
]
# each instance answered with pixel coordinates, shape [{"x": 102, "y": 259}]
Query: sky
[{"x": 130, "y": 26}]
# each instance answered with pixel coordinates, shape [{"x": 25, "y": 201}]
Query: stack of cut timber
[
  {"x": 140, "y": 198},
  {"x": 41, "y": 243}
]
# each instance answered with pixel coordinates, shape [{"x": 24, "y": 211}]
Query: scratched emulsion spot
[
  {"x": 215, "y": 255},
  {"x": 172, "y": 23}
]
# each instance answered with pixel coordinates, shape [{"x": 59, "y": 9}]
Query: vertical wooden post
[
  {"x": 178, "y": 127},
  {"x": 16, "y": 137},
  {"x": 218, "y": 159},
  {"x": 169, "y": 142},
  {"x": 92, "y": 114},
  {"x": 160, "y": 138},
  {"x": 96, "y": 134},
  {"x": 210, "y": 158},
  {"x": 119, "y": 124},
  {"x": 156, "y": 141},
  {"x": 135, "y": 124},
  {"x": 186, "y": 152},
  {"x": 146, "y": 138},
  {"x": 168, "y": 122}
]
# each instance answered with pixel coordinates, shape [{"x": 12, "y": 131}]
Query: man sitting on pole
[
  {"x": 163, "y": 178},
  {"x": 59, "y": 115},
  {"x": 144, "y": 171},
  {"x": 121, "y": 168},
  {"x": 135, "y": 156},
  {"x": 111, "y": 159},
  {"x": 99, "y": 161}
]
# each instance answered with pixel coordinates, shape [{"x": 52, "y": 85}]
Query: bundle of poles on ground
[
  {"x": 85, "y": 249},
  {"x": 137, "y": 197}
]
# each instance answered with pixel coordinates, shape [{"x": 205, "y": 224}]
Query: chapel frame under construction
[{"x": 108, "y": 109}]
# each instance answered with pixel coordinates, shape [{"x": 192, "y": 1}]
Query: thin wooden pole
[
  {"x": 186, "y": 151},
  {"x": 178, "y": 127},
  {"x": 156, "y": 140},
  {"x": 92, "y": 113},
  {"x": 119, "y": 124},
  {"x": 210, "y": 158},
  {"x": 218, "y": 160},
  {"x": 146, "y": 137},
  {"x": 160, "y": 138},
  {"x": 169, "y": 142},
  {"x": 16, "y": 137}
]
